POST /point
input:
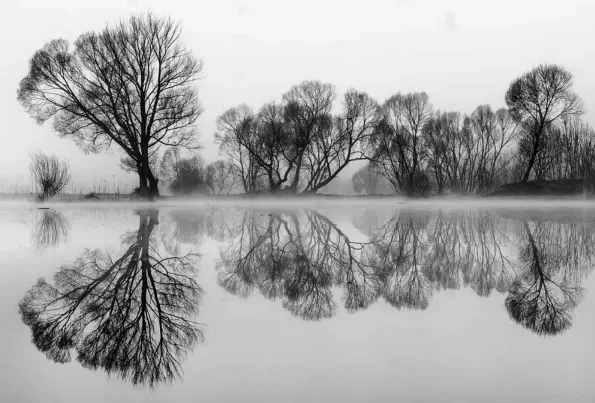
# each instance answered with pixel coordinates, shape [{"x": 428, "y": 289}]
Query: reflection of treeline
[
  {"x": 300, "y": 257},
  {"x": 131, "y": 315}
]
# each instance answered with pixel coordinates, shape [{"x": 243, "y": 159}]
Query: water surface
[{"x": 298, "y": 302}]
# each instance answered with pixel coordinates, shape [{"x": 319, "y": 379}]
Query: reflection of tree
[
  {"x": 299, "y": 257},
  {"x": 400, "y": 253},
  {"x": 271, "y": 255},
  {"x": 484, "y": 265},
  {"x": 296, "y": 257},
  {"x": 49, "y": 229},
  {"x": 542, "y": 298},
  {"x": 131, "y": 316}
]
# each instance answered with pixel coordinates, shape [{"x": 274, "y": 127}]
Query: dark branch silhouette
[
  {"x": 300, "y": 257},
  {"x": 49, "y": 174},
  {"x": 132, "y": 316},
  {"x": 130, "y": 85}
]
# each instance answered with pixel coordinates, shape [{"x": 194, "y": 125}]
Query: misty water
[{"x": 303, "y": 301}]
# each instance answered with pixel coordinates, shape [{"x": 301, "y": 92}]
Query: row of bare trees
[
  {"x": 132, "y": 85},
  {"x": 539, "y": 136},
  {"x": 297, "y": 145}
]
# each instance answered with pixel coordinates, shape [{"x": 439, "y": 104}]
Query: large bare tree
[
  {"x": 130, "y": 84},
  {"x": 539, "y": 99}
]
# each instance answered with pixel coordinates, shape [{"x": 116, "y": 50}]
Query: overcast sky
[{"x": 463, "y": 53}]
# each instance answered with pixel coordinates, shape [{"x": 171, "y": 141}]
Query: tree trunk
[
  {"x": 153, "y": 184},
  {"x": 142, "y": 180},
  {"x": 293, "y": 188},
  {"x": 531, "y": 162}
]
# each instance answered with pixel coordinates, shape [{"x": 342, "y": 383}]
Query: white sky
[{"x": 462, "y": 53}]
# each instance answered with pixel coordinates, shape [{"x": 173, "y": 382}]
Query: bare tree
[
  {"x": 235, "y": 136},
  {"x": 398, "y": 139},
  {"x": 220, "y": 177},
  {"x": 184, "y": 174},
  {"x": 50, "y": 174},
  {"x": 130, "y": 84},
  {"x": 347, "y": 138},
  {"x": 307, "y": 116},
  {"x": 539, "y": 99},
  {"x": 366, "y": 179}
]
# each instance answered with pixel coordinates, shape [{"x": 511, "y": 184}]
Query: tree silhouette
[
  {"x": 132, "y": 316},
  {"x": 538, "y": 100},
  {"x": 130, "y": 85},
  {"x": 50, "y": 174}
]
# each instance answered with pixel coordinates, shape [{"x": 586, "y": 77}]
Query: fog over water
[{"x": 318, "y": 299}]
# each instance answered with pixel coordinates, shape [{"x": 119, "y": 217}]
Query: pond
[{"x": 298, "y": 302}]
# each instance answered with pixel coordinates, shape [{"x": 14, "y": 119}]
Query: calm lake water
[{"x": 298, "y": 302}]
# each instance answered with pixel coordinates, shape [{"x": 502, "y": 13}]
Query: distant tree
[
  {"x": 130, "y": 84},
  {"x": 220, "y": 177},
  {"x": 50, "y": 174},
  {"x": 366, "y": 179},
  {"x": 538, "y": 100},
  {"x": 184, "y": 174},
  {"x": 441, "y": 135},
  {"x": 398, "y": 140}
]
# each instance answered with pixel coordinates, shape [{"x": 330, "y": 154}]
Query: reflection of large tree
[
  {"x": 50, "y": 228},
  {"x": 131, "y": 316},
  {"x": 543, "y": 296}
]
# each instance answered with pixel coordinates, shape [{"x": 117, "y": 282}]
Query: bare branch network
[{"x": 132, "y": 85}]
